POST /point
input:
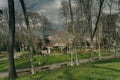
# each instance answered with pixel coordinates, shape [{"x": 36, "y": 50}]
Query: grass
[
  {"x": 22, "y": 63},
  {"x": 101, "y": 70}
]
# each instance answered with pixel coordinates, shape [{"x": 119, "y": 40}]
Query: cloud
[
  {"x": 3, "y": 3},
  {"x": 51, "y": 10}
]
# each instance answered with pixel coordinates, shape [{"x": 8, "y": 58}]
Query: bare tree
[
  {"x": 98, "y": 18},
  {"x": 97, "y": 22},
  {"x": 64, "y": 11},
  {"x": 71, "y": 28},
  {"x": 11, "y": 62},
  {"x": 1, "y": 14},
  {"x": 29, "y": 36}
]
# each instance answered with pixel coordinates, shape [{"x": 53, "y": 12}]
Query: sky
[
  {"x": 3, "y": 4},
  {"x": 48, "y": 8}
]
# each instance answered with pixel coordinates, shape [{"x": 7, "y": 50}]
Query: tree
[
  {"x": 119, "y": 4},
  {"x": 11, "y": 62},
  {"x": 71, "y": 28},
  {"x": 97, "y": 22},
  {"x": 39, "y": 24},
  {"x": 29, "y": 36},
  {"x": 1, "y": 14},
  {"x": 4, "y": 30},
  {"x": 98, "y": 18},
  {"x": 64, "y": 11}
]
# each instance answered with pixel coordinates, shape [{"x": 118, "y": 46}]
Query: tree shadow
[
  {"x": 22, "y": 65},
  {"x": 37, "y": 77},
  {"x": 108, "y": 61},
  {"x": 111, "y": 69},
  {"x": 41, "y": 77},
  {"x": 69, "y": 76},
  {"x": 45, "y": 61}
]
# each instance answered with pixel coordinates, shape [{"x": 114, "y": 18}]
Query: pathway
[{"x": 54, "y": 66}]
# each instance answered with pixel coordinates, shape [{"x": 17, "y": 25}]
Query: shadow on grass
[
  {"x": 38, "y": 78},
  {"x": 33, "y": 77},
  {"x": 45, "y": 61},
  {"x": 111, "y": 69},
  {"x": 22, "y": 65},
  {"x": 69, "y": 76},
  {"x": 108, "y": 61}
]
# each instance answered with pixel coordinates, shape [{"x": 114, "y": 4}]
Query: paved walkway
[{"x": 55, "y": 66}]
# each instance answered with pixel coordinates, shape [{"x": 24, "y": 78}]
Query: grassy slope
[
  {"x": 23, "y": 63},
  {"x": 102, "y": 70}
]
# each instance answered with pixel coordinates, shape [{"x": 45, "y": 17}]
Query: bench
[
  {"x": 96, "y": 59},
  {"x": 23, "y": 72},
  {"x": 63, "y": 65},
  {"x": 45, "y": 68}
]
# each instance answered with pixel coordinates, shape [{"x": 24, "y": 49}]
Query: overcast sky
[
  {"x": 3, "y": 3},
  {"x": 49, "y": 8}
]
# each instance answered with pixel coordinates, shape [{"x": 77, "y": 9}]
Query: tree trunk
[
  {"x": 29, "y": 36},
  {"x": 11, "y": 63},
  {"x": 76, "y": 57},
  {"x": 0, "y": 13},
  {"x": 71, "y": 28},
  {"x": 97, "y": 22}
]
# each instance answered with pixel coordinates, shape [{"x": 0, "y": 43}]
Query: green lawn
[
  {"x": 101, "y": 70},
  {"x": 23, "y": 63}
]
